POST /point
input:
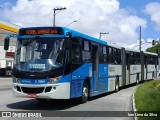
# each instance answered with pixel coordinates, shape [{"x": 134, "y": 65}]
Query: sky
[{"x": 120, "y": 18}]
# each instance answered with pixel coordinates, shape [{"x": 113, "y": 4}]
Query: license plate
[{"x": 32, "y": 96}]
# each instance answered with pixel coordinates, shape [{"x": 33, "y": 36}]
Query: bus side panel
[
  {"x": 135, "y": 73},
  {"x": 77, "y": 79},
  {"x": 157, "y": 74},
  {"x": 113, "y": 72},
  {"x": 150, "y": 71},
  {"x": 103, "y": 78}
]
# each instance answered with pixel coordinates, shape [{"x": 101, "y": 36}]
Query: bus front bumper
[{"x": 47, "y": 91}]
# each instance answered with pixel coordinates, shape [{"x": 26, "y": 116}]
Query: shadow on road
[{"x": 33, "y": 104}]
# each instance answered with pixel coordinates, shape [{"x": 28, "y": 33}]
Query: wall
[{"x": 3, "y": 58}]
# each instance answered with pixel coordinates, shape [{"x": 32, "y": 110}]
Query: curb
[{"x": 133, "y": 105}]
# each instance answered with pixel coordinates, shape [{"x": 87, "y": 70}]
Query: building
[{"x": 6, "y": 57}]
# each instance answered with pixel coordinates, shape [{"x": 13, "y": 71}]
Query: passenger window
[
  {"x": 104, "y": 50},
  {"x": 110, "y": 51},
  {"x": 86, "y": 45},
  {"x": 86, "y": 56},
  {"x": 76, "y": 56}
]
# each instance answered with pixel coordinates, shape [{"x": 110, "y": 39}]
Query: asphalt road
[{"x": 120, "y": 101}]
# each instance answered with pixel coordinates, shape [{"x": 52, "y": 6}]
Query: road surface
[{"x": 119, "y": 101}]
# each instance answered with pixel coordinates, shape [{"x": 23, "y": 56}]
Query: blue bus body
[{"x": 87, "y": 67}]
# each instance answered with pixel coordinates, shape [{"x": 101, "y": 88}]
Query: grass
[{"x": 147, "y": 98}]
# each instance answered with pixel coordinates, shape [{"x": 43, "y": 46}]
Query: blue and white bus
[{"x": 59, "y": 63}]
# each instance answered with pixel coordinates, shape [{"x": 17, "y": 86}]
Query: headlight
[
  {"x": 51, "y": 80},
  {"x": 16, "y": 80}
]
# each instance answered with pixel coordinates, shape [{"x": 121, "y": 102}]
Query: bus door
[
  {"x": 128, "y": 68},
  {"x": 95, "y": 72}
]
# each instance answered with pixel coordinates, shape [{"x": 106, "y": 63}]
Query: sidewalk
[{"x": 5, "y": 82}]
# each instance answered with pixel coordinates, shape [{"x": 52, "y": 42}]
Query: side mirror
[{"x": 6, "y": 43}]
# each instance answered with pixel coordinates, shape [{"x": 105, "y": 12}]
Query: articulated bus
[{"x": 59, "y": 63}]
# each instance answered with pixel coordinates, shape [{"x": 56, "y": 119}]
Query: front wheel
[{"x": 85, "y": 93}]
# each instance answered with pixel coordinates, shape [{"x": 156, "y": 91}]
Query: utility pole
[
  {"x": 140, "y": 42},
  {"x": 54, "y": 16},
  {"x": 102, "y": 33}
]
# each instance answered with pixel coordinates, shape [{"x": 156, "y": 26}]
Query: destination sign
[{"x": 40, "y": 31}]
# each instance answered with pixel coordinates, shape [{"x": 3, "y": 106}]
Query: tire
[
  {"x": 153, "y": 76},
  {"x": 85, "y": 93},
  {"x": 137, "y": 81},
  {"x": 117, "y": 85}
]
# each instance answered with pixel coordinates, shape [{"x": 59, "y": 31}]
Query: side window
[
  {"x": 104, "y": 51},
  {"x": 86, "y": 54},
  {"x": 110, "y": 51},
  {"x": 86, "y": 45},
  {"x": 110, "y": 58},
  {"x": 115, "y": 57},
  {"x": 118, "y": 56},
  {"x": 76, "y": 53}
]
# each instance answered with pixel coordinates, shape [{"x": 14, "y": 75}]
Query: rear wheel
[
  {"x": 153, "y": 77},
  {"x": 85, "y": 93},
  {"x": 137, "y": 81},
  {"x": 117, "y": 85}
]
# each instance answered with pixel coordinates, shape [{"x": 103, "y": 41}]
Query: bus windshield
[{"x": 39, "y": 55}]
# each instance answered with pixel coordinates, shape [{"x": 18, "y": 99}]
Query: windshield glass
[{"x": 38, "y": 55}]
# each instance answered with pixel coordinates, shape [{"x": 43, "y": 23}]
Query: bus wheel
[
  {"x": 85, "y": 93},
  {"x": 153, "y": 75},
  {"x": 137, "y": 81},
  {"x": 117, "y": 85}
]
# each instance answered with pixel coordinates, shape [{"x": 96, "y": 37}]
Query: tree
[{"x": 154, "y": 49}]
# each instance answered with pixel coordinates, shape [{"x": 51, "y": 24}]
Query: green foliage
[
  {"x": 147, "y": 98},
  {"x": 154, "y": 49}
]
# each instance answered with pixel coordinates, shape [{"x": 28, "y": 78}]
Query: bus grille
[{"x": 32, "y": 90}]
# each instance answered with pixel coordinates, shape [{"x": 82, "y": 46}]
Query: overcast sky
[{"x": 121, "y": 18}]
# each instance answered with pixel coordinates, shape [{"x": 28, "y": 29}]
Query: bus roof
[
  {"x": 76, "y": 34},
  {"x": 60, "y": 32}
]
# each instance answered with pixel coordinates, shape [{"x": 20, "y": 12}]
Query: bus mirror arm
[{"x": 6, "y": 43}]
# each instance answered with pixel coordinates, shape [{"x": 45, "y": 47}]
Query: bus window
[
  {"x": 86, "y": 54},
  {"x": 86, "y": 45},
  {"x": 104, "y": 54},
  {"x": 104, "y": 50},
  {"x": 76, "y": 53}
]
